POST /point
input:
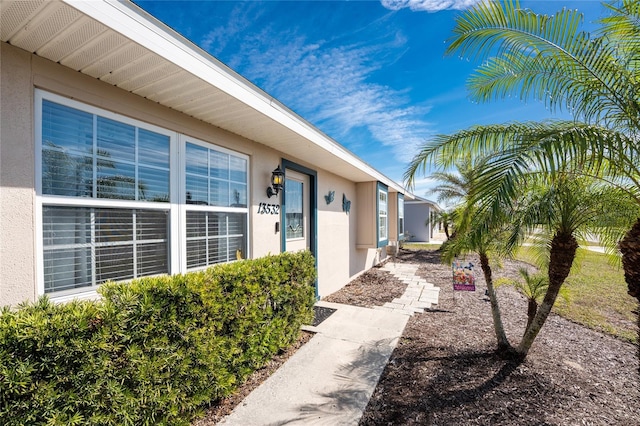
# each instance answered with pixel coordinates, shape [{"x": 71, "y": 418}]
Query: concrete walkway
[{"x": 330, "y": 379}]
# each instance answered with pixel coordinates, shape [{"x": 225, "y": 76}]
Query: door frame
[{"x": 313, "y": 210}]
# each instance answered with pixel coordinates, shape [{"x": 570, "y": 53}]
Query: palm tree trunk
[
  {"x": 563, "y": 252},
  {"x": 532, "y": 310},
  {"x": 638, "y": 343},
  {"x": 630, "y": 249},
  {"x": 503, "y": 342}
]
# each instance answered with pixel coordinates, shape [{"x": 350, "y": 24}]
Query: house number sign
[{"x": 264, "y": 208}]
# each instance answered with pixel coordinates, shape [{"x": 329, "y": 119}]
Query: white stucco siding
[{"x": 23, "y": 73}]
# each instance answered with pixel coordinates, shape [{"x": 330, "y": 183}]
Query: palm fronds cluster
[{"x": 565, "y": 178}]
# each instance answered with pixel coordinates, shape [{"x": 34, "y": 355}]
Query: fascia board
[{"x": 423, "y": 201}]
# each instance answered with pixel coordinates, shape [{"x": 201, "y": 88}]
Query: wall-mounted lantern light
[{"x": 277, "y": 182}]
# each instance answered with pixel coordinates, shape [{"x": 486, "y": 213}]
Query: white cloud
[
  {"x": 329, "y": 86},
  {"x": 328, "y": 83},
  {"x": 422, "y": 187},
  {"x": 428, "y": 5},
  {"x": 239, "y": 22}
]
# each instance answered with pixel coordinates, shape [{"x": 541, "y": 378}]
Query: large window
[
  {"x": 111, "y": 201},
  {"x": 383, "y": 215},
  {"x": 86, "y": 155},
  {"x": 88, "y": 246},
  {"x": 216, "y": 199}
]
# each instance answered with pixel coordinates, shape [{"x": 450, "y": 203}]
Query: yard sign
[{"x": 463, "y": 277}]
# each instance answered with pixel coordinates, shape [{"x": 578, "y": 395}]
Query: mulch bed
[
  {"x": 445, "y": 371},
  {"x": 375, "y": 287}
]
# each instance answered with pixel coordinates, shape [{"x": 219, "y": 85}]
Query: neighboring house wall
[
  {"x": 417, "y": 219},
  {"x": 339, "y": 258}
]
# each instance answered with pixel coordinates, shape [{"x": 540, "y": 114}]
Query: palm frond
[
  {"x": 623, "y": 25},
  {"x": 618, "y": 212},
  {"x": 455, "y": 186},
  {"x": 549, "y": 58},
  {"x": 499, "y": 27},
  {"x": 512, "y": 150}
]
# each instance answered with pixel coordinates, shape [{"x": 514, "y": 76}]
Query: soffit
[{"x": 120, "y": 44}]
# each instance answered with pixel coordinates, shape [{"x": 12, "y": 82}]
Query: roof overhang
[
  {"x": 420, "y": 200},
  {"x": 120, "y": 44}
]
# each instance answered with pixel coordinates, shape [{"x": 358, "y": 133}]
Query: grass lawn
[
  {"x": 597, "y": 295},
  {"x": 420, "y": 246}
]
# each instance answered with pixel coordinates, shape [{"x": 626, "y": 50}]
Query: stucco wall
[
  {"x": 263, "y": 237},
  {"x": 367, "y": 214},
  {"x": 338, "y": 258},
  {"x": 393, "y": 216},
  {"x": 336, "y": 233},
  {"x": 364, "y": 210},
  {"x": 17, "y": 163}
]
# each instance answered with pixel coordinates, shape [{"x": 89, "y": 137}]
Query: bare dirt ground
[{"x": 445, "y": 372}]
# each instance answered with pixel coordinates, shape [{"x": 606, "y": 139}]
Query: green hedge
[{"x": 152, "y": 351}]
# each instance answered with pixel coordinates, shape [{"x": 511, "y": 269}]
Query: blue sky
[{"x": 370, "y": 74}]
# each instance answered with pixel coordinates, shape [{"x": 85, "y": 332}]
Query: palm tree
[
  {"x": 566, "y": 209},
  {"x": 549, "y": 58},
  {"x": 444, "y": 218},
  {"x": 454, "y": 187},
  {"x": 560, "y": 210},
  {"x": 472, "y": 237},
  {"x": 534, "y": 288}
]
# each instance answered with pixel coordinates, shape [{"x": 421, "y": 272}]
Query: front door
[{"x": 296, "y": 211}]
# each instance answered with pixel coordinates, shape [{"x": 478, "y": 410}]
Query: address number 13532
[{"x": 264, "y": 208}]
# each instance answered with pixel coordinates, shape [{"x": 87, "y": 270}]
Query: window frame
[
  {"x": 383, "y": 240},
  {"x": 99, "y": 241},
  {"x": 175, "y": 208},
  {"x": 184, "y": 207},
  {"x": 401, "y": 221}
]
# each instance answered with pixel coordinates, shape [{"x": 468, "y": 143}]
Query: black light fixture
[{"x": 277, "y": 182}]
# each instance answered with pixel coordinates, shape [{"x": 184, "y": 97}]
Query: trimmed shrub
[{"x": 152, "y": 351}]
